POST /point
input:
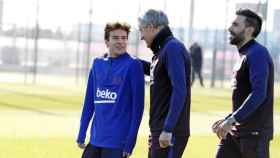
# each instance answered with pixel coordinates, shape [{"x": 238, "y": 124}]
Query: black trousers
[
  {"x": 198, "y": 72},
  {"x": 245, "y": 147},
  {"x": 100, "y": 152},
  {"x": 175, "y": 151}
]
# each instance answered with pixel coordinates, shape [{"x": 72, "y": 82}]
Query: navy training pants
[
  {"x": 245, "y": 147},
  {"x": 175, "y": 151},
  {"x": 101, "y": 152}
]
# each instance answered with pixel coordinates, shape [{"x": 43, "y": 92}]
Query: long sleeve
[
  {"x": 175, "y": 66},
  {"x": 88, "y": 109},
  {"x": 137, "y": 90},
  {"x": 259, "y": 72}
]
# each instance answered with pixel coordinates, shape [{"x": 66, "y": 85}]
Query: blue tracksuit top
[
  {"x": 115, "y": 100},
  {"x": 170, "y": 90},
  {"x": 252, "y": 96}
]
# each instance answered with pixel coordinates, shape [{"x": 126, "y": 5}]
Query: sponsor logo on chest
[{"x": 105, "y": 96}]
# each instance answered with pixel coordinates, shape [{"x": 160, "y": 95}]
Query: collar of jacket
[
  {"x": 244, "y": 48},
  {"x": 160, "y": 39},
  {"x": 121, "y": 56}
]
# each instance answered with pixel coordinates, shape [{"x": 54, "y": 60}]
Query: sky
[{"x": 65, "y": 13}]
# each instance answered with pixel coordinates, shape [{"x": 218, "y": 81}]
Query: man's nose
[{"x": 230, "y": 29}]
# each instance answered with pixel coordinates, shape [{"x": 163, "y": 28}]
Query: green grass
[
  {"x": 219, "y": 99},
  {"x": 19, "y": 96},
  {"x": 204, "y": 99},
  {"x": 46, "y": 97},
  {"x": 198, "y": 147},
  {"x": 39, "y": 148},
  {"x": 38, "y": 98}
]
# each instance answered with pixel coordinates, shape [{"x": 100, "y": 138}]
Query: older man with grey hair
[{"x": 170, "y": 87}]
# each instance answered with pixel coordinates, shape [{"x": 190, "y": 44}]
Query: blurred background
[
  {"x": 46, "y": 50},
  {"x": 53, "y": 38}
]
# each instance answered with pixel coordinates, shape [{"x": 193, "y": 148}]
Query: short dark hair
[
  {"x": 252, "y": 20},
  {"x": 114, "y": 26}
]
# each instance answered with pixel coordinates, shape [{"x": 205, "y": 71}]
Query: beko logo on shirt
[{"x": 106, "y": 94}]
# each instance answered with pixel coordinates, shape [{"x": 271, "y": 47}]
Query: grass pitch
[{"x": 41, "y": 121}]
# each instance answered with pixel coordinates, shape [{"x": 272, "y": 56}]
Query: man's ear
[{"x": 250, "y": 31}]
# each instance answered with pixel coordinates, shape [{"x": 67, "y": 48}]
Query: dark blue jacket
[
  {"x": 170, "y": 85},
  {"x": 252, "y": 96}
]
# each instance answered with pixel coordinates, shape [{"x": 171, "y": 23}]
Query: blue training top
[{"x": 115, "y": 100}]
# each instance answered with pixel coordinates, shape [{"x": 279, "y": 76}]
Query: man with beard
[
  {"x": 247, "y": 131},
  {"x": 170, "y": 87}
]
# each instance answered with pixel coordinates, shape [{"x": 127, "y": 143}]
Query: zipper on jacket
[{"x": 109, "y": 73}]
